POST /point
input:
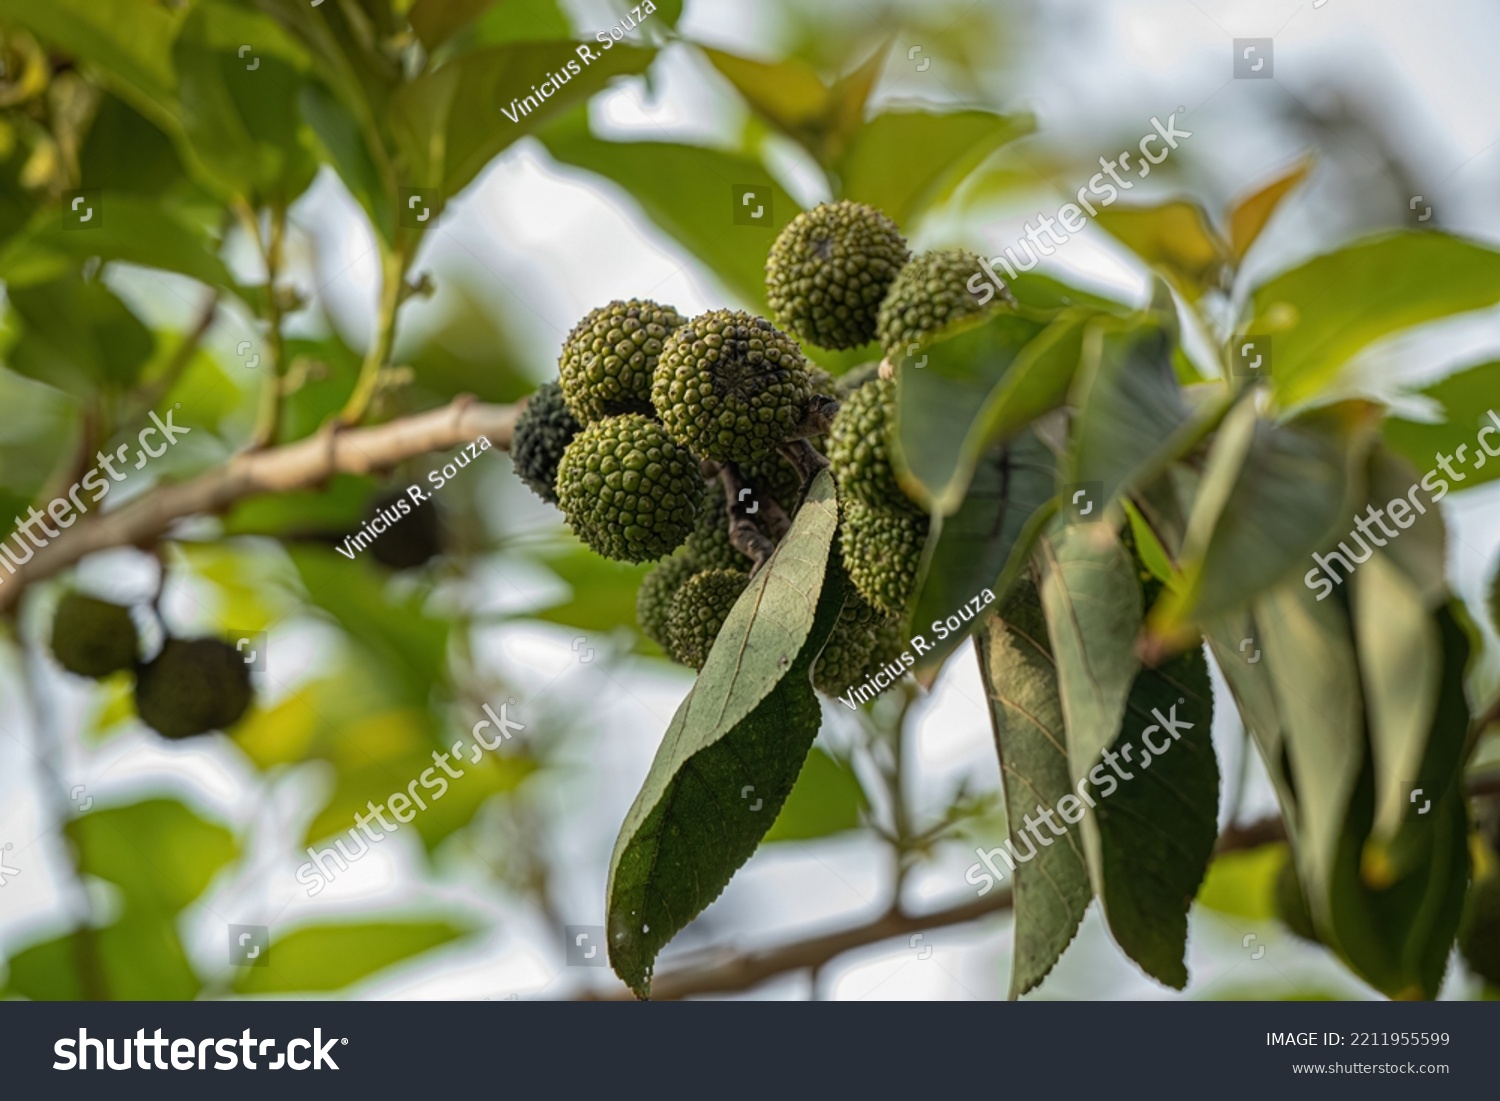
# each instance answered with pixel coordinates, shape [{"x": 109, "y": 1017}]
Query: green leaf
[
  {"x": 1243, "y": 884},
  {"x": 161, "y": 854},
  {"x": 1051, "y": 887},
  {"x": 904, "y": 162},
  {"x": 825, "y": 800},
  {"x": 410, "y": 646},
  {"x": 1132, "y": 417},
  {"x": 688, "y": 191},
  {"x": 1092, "y": 599},
  {"x": 449, "y": 123},
  {"x": 125, "y": 152},
  {"x": 788, "y": 93},
  {"x": 77, "y": 336},
  {"x": 1270, "y": 496},
  {"x": 324, "y": 958},
  {"x": 1421, "y": 551},
  {"x": 1157, "y": 831},
  {"x": 982, "y": 546},
  {"x": 129, "y": 41},
  {"x": 139, "y": 958},
  {"x": 343, "y": 145},
  {"x": 1314, "y": 678},
  {"x": 1175, "y": 239},
  {"x": 1249, "y": 215},
  {"x": 1461, "y": 397},
  {"x": 137, "y": 229},
  {"x": 978, "y": 386},
  {"x": 435, "y": 21},
  {"x": 733, "y": 750},
  {"x": 1324, "y": 313}
]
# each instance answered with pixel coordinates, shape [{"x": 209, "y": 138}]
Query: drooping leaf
[
  {"x": 77, "y": 336},
  {"x": 1248, "y": 216},
  {"x": 972, "y": 556},
  {"x": 1322, "y": 314},
  {"x": 324, "y": 958},
  {"x": 1051, "y": 886},
  {"x": 734, "y": 748},
  {"x": 1471, "y": 420},
  {"x": 345, "y": 147},
  {"x": 903, "y": 161},
  {"x": 1176, "y": 239},
  {"x": 689, "y": 192},
  {"x": 1157, "y": 831},
  {"x": 825, "y": 800},
  {"x": 435, "y": 21}
]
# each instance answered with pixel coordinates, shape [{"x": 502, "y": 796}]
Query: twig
[
  {"x": 306, "y": 464},
  {"x": 743, "y": 534}
]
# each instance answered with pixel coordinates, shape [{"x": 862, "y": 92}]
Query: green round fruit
[
  {"x": 857, "y": 446},
  {"x": 192, "y": 687},
  {"x": 777, "y": 477},
  {"x": 731, "y": 386},
  {"x": 928, "y": 295},
  {"x": 543, "y": 432},
  {"x": 627, "y": 490},
  {"x": 1479, "y": 935},
  {"x": 654, "y": 597},
  {"x": 608, "y": 359},
  {"x": 882, "y": 550},
  {"x": 853, "y": 379},
  {"x": 698, "y": 611},
  {"x": 93, "y": 638},
  {"x": 708, "y": 544},
  {"x": 1291, "y": 904},
  {"x": 829, "y": 270}
]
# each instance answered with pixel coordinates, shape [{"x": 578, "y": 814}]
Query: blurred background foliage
[{"x": 242, "y": 190}]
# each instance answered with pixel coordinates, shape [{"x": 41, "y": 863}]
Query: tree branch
[{"x": 306, "y": 464}]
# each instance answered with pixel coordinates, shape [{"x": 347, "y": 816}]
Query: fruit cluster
[
  {"x": 192, "y": 686},
  {"x": 692, "y": 440}
]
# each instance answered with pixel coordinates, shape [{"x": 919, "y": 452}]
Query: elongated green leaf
[
  {"x": 1271, "y": 496},
  {"x": 343, "y": 145},
  {"x": 451, "y": 122},
  {"x": 1051, "y": 885},
  {"x": 983, "y": 546},
  {"x": 977, "y": 388},
  {"x": 324, "y": 958},
  {"x": 1322, "y": 314},
  {"x": 1157, "y": 831},
  {"x": 825, "y": 800},
  {"x": 903, "y": 162},
  {"x": 1132, "y": 416},
  {"x": 1470, "y": 405},
  {"x": 77, "y": 336},
  {"x": 1420, "y": 546},
  {"x": 1176, "y": 239},
  {"x": 138, "y": 958},
  {"x": 1314, "y": 677},
  {"x": 733, "y": 750},
  {"x": 1092, "y": 598},
  {"x": 435, "y": 21},
  {"x": 689, "y": 192}
]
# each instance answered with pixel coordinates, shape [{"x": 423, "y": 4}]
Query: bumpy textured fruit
[
  {"x": 847, "y": 655},
  {"x": 829, "y": 270},
  {"x": 857, "y": 446},
  {"x": 93, "y": 638},
  {"x": 627, "y": 490},
  {"x": 776, "y": 476},
  {"x": 543, "y": 432},
  {"x": 609, "y": 358},
  {"x": 929, "y": 294},
  {"x": 852, "y": 380},
  {"x": 882, "y": 549},
  {"x": 1291, "y": 904},
  {"x": 193, "y": 686},
  {"x": 730, "y": 385},
  {"x": 698, "y": 611},
  {"x": 1479, "y": 935},
  {"x": 655, "y": 595},
  {"x": 708, "y": 544}
]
